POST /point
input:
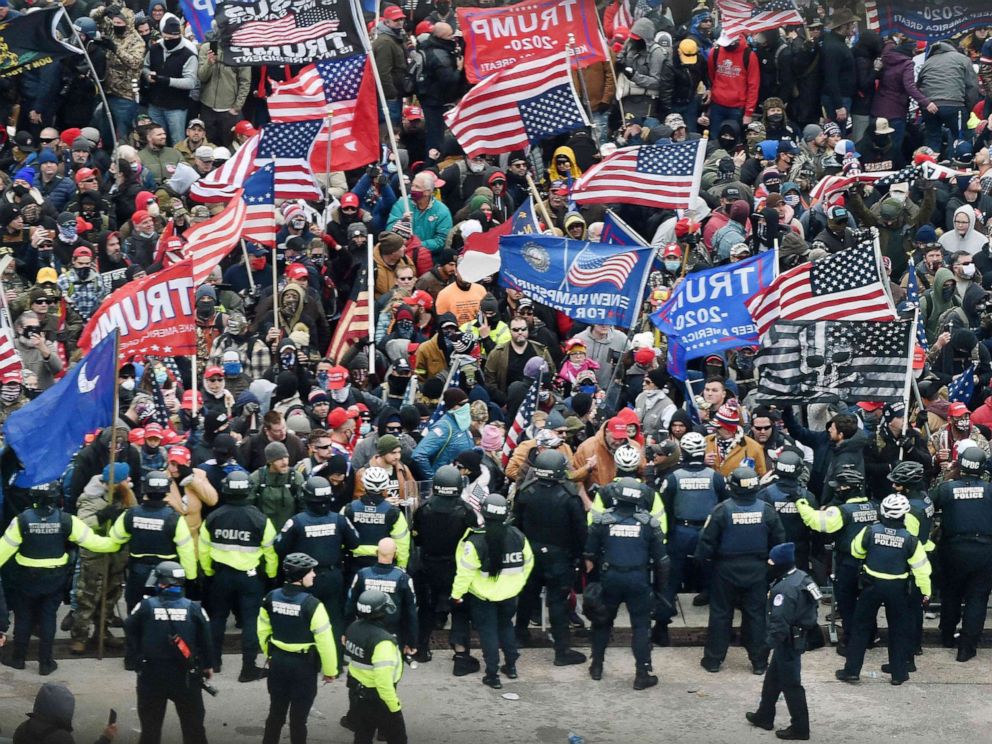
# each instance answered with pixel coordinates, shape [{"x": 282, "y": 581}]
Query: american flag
[
  {"x": 260, "y": 212},
  {"x": 440, "y": 409},
  {"x": 738, "y": 18},
  {"x": 849, "y": 285},
  {"x": 520, "y": 105},
  {"x": 208, "y": 242},
  {"x": 962, "y": 387},
  {"x": 343, "y": 87},
  {"x": 624, "y": 16},
  {"x": 521, "y": 421},
  {"x": 588, "y": 269},
  {"x": 288, "y": 146},
  {"x": 10, "y": 360},
  {"x": 913, "y": 300},
  {"x": 161, "y": 414},
  {"x": 219, "y": 185},
  {"x": 664, "y": 176},
  {"x": 354, "y": 321},
  {"x": 828, "y": 361},
  {"x": 292, "y": 28}
]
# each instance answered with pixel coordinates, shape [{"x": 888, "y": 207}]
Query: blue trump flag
[
  {"x": 591, "y": 282},
  {"x": 706, "y": 312},
  {"x": 48, "y": 431},
  {"x": 200, "y": 14}
]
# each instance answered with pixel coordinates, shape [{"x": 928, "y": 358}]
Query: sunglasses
[
  {"x": 525, "y": 312},
  {"x": 42, "y": 301},
  {"x": 761, "y": 428},
  {"x": 321, "y": 446},
  {"x": 394, "y": 429},
  {"x": 215, "y": 378}
]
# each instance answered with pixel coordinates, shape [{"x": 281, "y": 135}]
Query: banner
[
  {"x": 29, "y": 41},
  {"x": 927, "y": 20},
  {"x": 706, "y": 312},
  {"x": 288, "y": 32},
  {"x": 498, "y": 38},
  {"x": 154, "y": 315},
  {"x": 591, "y": 282},
  {"x": 200, "y": 14}
]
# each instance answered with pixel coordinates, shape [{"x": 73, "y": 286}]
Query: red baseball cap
[
  {"x": 338, "y": 416},
  {"x": 617, "y": 428},
  {"x": 140, "y": 216},
  {"x": 137, "y": 436},
  {"x": 83, "y": 173},
  {"x": 154, "y": 430},
  {"x": 424, "y": 27},
  {"x": 413, "y": 113},
  {"x": 187, "y": 401},
  {"x": 244, "y": 128},
  {"x": 171, "y": 438},
  {"x": 68, "y": 135},
  {"x": 82, "y": 250},
  {"x": 337, "y": 378},
  {"x": 870, "y": 405},
  {"x": 180, "y": 454},
  {"x": 956, "y": 410},
  {"x": 420, "y": 297},
  {"x": 297, "y": 272},
  {"x": 212, "y": 372},
  {"x": 644, "y": 356},
  {"x": 350, "y": 200},
  {"x": 672, "y": 249},
  {"x": 393, "y": 13}
]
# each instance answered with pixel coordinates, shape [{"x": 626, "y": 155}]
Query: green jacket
[
  {"x": 278, "y": 496},
  {"x": 222, "y": 87}
]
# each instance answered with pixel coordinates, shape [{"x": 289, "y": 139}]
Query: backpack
[{"x": 416, "y": 72}]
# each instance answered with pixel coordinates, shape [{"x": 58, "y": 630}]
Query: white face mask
[
  {"x": 968, "y": 271},
  {"x": 128, "y": 384},
  {"x": 340, "y": 396},
  {"x": 476, "y": 166}
]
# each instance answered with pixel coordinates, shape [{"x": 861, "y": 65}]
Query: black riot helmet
[
  {"x": 374, "y": 605},
  {"x": 549, "y": 466},
  {"x": 448, "y": 482}
]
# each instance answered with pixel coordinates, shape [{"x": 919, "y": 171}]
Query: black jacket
[
  {"x": 443, "y": 82},
  {"x": 837, "y": 65}
]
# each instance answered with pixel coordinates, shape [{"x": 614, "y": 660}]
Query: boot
[
  {"x": 791, "y": 733},
  {"x": 965, "y": 653},
  {"x": 643, "y": 679},
  {"x": 47, "y": 666},
  {"x": 596, "y": 669},
  {"x": 465, "y": 663},
  {"x": 659, "y": 635},
  {"x": 710, "y": 665},
  {"x": 701, "y": 600},
  {"x": 910, "y": 667},
  {"x": 568, "y": 657},
  {"x": 423, "y": 655},
  {"x": 67, "y": 621},
  {"x": 492, "y": 680},
  {"x": 844, "y": 676},
  {"x": 252, "y": 673},
  {"x": 15, "y": 660},
  {"x": 510, "y": 670},
  {"x": 753, "y": 719}
]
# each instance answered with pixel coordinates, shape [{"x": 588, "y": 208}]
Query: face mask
[
  {"x": 204, "y": 308},
  {"x": 83, "y": 273},
  {"x": 299, "y": 224},
  {"x": 773, "y": 188},
  {"x": 673, "y": 266},
  {"x": 20, "y": 189},
  {"x": 161, "y": 376},
  {"x": 947, "y": 293},
  {"x": 417, "y": 195},
  {"x": 398, "y": 385},
  {"x": 171, "y": 43},
  {"x": 322, "y": 380},
  {"x": 776, "y": 118},
  {"x": 463, "y": 417},
  {"x": 120, "y": 31},
  {"x": 232, "y": 369},
  {"x": 792, "y": 199},
  {"x": 340, "y": 396},
  {"x": 318, "y": 259},
  {"x": 442, "y": 8},
  {"x": 963, "y": 423},
  {"x": 404, "y": 328},
  {"x": 727, "y": 143},
  {"x": 364, "y": 429},
  {"x": 881, "y": 141},
  {"x": 968, "y": 271},
  {"x": 9, "y": 394},
  {"x": 476, "y": 167},
  {"x": 256, "y": 264},
  {"x": 68, "y": 233},
  {"x": 588, "y": 389},
  {"x": 391, "y": 168},
  {"x": 128, "y": 384},
  {"x": 287, "y": 360},
  {"x": 777, "y": 572}
]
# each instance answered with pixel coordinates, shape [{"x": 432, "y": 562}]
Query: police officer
[
  {"x": 154, "y": 532},
  {"x": 737, "y": 537},
  {"x": 791, "y": 607},
  {"x": 624, "y": 543},
  {"x": 550, "y": 514},
  {"x": 890, "y": 553},
  {"x": 689, "y": 495},
  {"x": 376, "y": 518},
  {"x": 38, "y": 539},
  {"x": 169, "y": 645},
  {"x": 438, "y": 525},
  {"x": 323, "y": 535},
  {"x": 907, "y": 479},
  {"x": 374, "y": 669},
  {"x": 965, "y": 551},
  {"x": 386, "y": 576},
  {"x": 783, "y": 493},
  {"x": 494, "y": 563},
  {"x": 628, "y": 462},
  {"x": 295, "y": 632},
  {"x": 234, "y": 540},
  {"x": 845, "y": 520}
]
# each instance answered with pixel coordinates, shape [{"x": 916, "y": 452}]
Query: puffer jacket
[
  {"x": 948, "y": 78},
  {"x": 51, "y": 720},
  {"x": 896, "y": 83},
  {"x": 124, "y": 61}
]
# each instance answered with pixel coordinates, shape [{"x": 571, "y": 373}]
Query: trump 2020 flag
[
  {"x": 46, "y": 433},
  {"x": 591, "y": 282}
]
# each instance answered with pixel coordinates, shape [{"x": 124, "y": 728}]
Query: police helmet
[
  {"x": 167, "y": 573},
  {"x": 906, "y": 473},
  {"x": 627, "y": 458},
  {"x": 297, "y": 565},
  {"x": 549, "y": 465},
  {"x": 848, "y": 478},
  {"x": 236, "y": 485},
  {"x": 789, "y": 465},
  {"x": 156, "y": 484},
  {"x": 743, "y": 481},
  {"x": 894, "y": 506},
  {"x": 627, "y": 490},
  {"x": 447, "y": 482},
  {"x": 972, "y": 461},
  {"x": 494, "y": 508},
  {"x": 693, "y": 445},
  {"x": 317, "y": 490},
  {"x": 44, "y": 495},
  {"x": 375, "y": 479},
  {"x": 374, "y": 605}
]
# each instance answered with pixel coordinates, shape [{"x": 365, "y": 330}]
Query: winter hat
[
  {"x": 535, "y": 366},
  {"x": 404, "y": 314},
  {"x": 25, "y": 174},
  {"x": 389, "y": 243},
  {"x": 926, "y": 234},
  {"x": 492, "y": 438},
  {"x": 298, "y": 424},
  {"x": 121, "y": 472},
  {"x": 47, "y": 156},
  {"x": 658, "y": 377},
  {"x": 275, "y": 451},
  {"x": 386, "y": 444},
  {"x": 728, "y": 417},
  {"x": 740, "y": 211},
  {"x": 811, "y": 132},
  {"x": 581, "y": 403},
  {"x": 224, "y": 447},
  {"x": 893, "y": 411},
  {"x": 783, "y": 554},
  {"x": 453, "y": 397}
]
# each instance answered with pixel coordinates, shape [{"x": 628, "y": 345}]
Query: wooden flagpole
[{"x": 101, "y": 627}]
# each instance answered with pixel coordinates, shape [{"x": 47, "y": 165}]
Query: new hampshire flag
[{"x": 46, "y": 433}]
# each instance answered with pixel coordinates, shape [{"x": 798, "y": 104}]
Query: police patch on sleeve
[
  {"x": 438, "y": 431},
  {"x": 779, "y": 599},
  {"x": 814, "y": 591}
]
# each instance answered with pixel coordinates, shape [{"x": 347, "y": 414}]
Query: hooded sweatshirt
[
  {"x": 972, "y": 241},
  {"x": 933, "y": 304}
]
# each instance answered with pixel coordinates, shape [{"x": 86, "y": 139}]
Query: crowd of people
[{"x": 292, "y": 484}]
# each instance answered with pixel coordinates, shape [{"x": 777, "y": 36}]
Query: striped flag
[
  {"x": 828, "y": 361},
  {"x": 518, "y": 106},
  {"x": 664, "y": 176},
  {"x": 260, "y": 211},
  {"x": 288, "y": 146},
  {"x": 739, "y": 18},
  {"x": 285, "y": 30},
  {"x": 521, "y": 421},
  {"x": 962, "y": 387},
  {"x": 219, "y": 185},
  {"x": 354, "y": 321},
  {"x": 849, "y": 285},
  {"x": 343, "y": 88},
  {"x": 10, "y": 360},
  {"x": 913, "y": 300},
  {"x": 208, "y": 242},
  {"x": 588, "y": 269}
]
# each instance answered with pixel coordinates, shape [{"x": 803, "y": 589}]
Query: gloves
[
  {"x": 108, "y": 513},
  {"x": 628, "y": 71},
  {"x": 802, "y": 502},
  {"x": 185, "y": 475},
  {"x": 457, "y": 602}
]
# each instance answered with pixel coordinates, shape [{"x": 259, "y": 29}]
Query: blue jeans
[
  {"x": 951, "y": 117},
  {"x": 395, "y": 107},
  {"x": 720, "y": 114},
  {"x": 899, "y": 135},
  {"x": 433, "y": 126},
  {"x": 690, "y": 112},
  {"x": 123, "y": 112},
  {"x": 174, "y": 121}
]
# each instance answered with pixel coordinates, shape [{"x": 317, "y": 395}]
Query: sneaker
[
  {"x": 910, "y": 667},
  {"x": 510, "y": 670},
  {"x": 709, "y": 665},
  {"x": 753, "y": 719},
  {"x": 569, "y": 656},
  {"x": 701, "y": 600},
  {"x": 423, "y": 655},
  {"x": 844, "y": 676},
  {"x": 791, "y": 733},
  {"x": 47, "y": 666},
  {"x": 465, "y": 664},
  {"x": 14, "y": 661},
  {"x": 67, "y": 621},
  {"x": 252, "y": 674},
  {"x": 595, "y": 669},
  {"x": 930, "y": 615},
  {"x": 492, "y": 680},
  {"x": 643, "y": 680}
]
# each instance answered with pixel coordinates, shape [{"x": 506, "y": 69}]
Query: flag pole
[
  {"x": 370, "y": 281},
  {"x": 909, "y": 381},
  {"x": 195, "y": 387},
  {"x": 609, "y": 66},
  {"x": 102, "y": 625},
  {"x": 5, "y": 323},
  {"x": 389, "y": 125},
  {"x": 96, "y": 80},
  {"x": 539, "y": 204},
  {"x": 327, "y": 162},
  {"x": 582, "y": 83},
  {"x": 275, "y": 289},
  {"x": 244, "y": 252}
]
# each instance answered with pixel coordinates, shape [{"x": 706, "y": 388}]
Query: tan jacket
[
  {"x": 605, "y": 470},
  {"x": 385, "y": 276},
  {"x": 746, "y": 448},
  {"x": 518, "y": 465},
  {"x": 199, "y": 493}
]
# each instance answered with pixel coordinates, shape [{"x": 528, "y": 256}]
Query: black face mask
[
  {"x": 83, "y": 273},
  {"x": 777, "y": 572},
  {"x": 776, "y": 118},
  {"x": 728, "y": 143},
  {"x": 947, "y": 293},
  {"x": 204, "y": 309},
  {"x": 881, "y": 141},
  {"x": 120, "y": 31},
  {"x": 442, "y": 8},
  {"x": 397, "y": 385},
  {"x": 20, "y": 190},
  {"x": 171, "y": 43}
]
